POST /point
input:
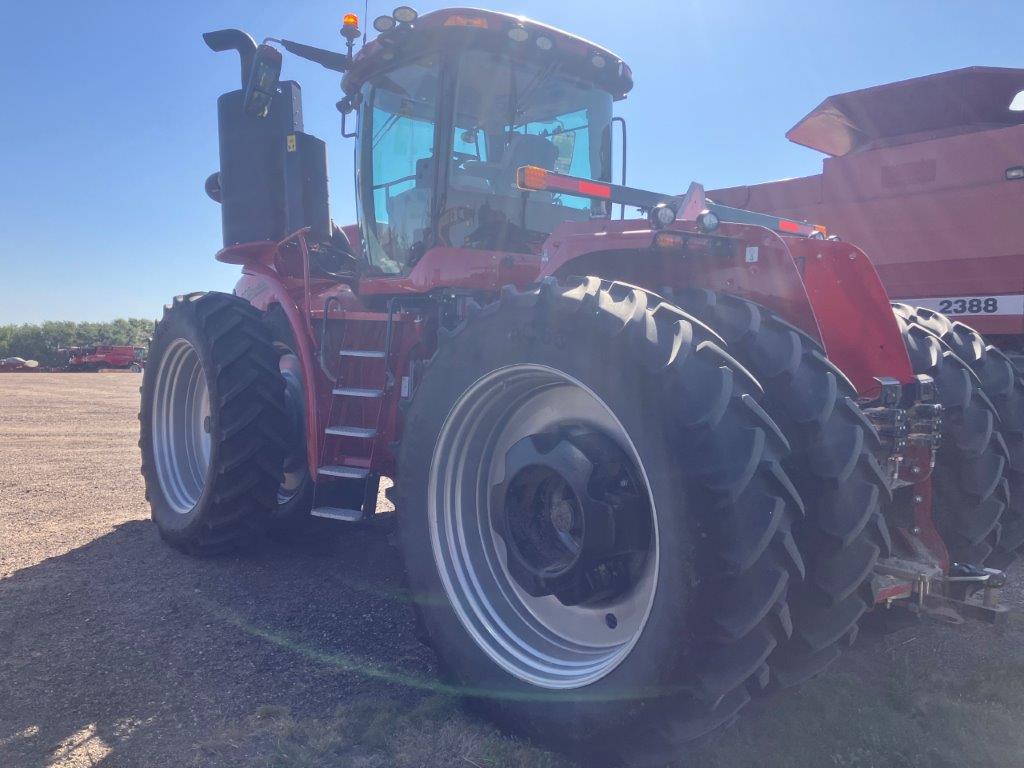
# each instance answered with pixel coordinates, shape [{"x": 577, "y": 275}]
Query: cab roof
[
  {"x": 471, "y": 26},
  {"x": 958, "y": 101}
]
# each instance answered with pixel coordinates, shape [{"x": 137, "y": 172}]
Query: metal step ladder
[{"x": 347, "y": 491}]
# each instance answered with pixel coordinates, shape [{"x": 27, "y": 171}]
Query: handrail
[{"x": 323, "y": 338}]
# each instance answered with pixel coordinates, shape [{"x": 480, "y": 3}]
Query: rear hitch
[
  {"x": 909, "y": 424},
  {"x": 967, "y": 592}
]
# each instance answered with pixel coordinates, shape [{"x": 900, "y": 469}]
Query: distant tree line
[{"x": 40, "y": 342}]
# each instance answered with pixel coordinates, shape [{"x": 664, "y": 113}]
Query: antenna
[{"x": 366, "y": 15}]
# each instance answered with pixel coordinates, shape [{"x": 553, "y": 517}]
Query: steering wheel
[
  {"x": 471, "y": 165},
  {"x": 450, "y": 217}
]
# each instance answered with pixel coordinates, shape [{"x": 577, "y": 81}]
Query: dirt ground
[{"x": 117, "y": 651}]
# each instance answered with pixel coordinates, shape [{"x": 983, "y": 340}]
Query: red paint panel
[
  {"x": 926, "y": 535},
  {"x": 760, "y": 268},
  {"x": 858, "y": 328}
]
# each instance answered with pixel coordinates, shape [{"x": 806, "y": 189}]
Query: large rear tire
[
  {"x": 1003, "y": 384},
  {"x": 970, "y": 491},
  {"x": 633, "y": 675},
  {"x": 833, "y": 466},
  {"x": 212, "y": 423}
]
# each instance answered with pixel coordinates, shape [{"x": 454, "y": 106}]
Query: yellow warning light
[{"x": 350, "y": 20}]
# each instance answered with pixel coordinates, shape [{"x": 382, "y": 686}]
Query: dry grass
[
  {"x": 370, "y": 734},
  {"x": 116, "y": 651},
  {"x": 906, "y": 714}
]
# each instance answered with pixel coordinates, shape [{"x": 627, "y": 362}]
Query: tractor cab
[
  {"x": 447, "y": 109},
  {"x": 451, "y": 107}
]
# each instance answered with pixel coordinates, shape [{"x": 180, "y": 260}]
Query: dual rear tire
[
  {"x": 979, "y": 473},
  {"x": 833, "y": 465},
  {"x": 630, "y": 673}
]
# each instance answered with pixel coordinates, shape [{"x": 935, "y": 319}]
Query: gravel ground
[
  {"x": 117, "y": 651},
  {"x": 105, "y": 631}
]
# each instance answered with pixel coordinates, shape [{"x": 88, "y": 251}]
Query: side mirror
[
  {"x": 261, "y": 84},
  {"x": 346, "y": 107}
]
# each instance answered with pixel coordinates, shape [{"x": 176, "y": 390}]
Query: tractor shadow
[{"x": 125, "y": 652}]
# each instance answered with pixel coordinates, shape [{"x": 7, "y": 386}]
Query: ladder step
[
  {"x": 376, "y": 354},
  {"x": 362, "y": 432},
  {"x": 357, "y": 392},
  {"x": 349, "y": 473},
  {"x": 337, "y": 513}
]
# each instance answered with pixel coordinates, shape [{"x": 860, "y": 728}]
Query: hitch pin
[{"x": 979, "y": 578}]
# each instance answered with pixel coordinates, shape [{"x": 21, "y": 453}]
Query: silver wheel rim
[
  {"x": 181, "y": 423},
  {"x": 536, "y": 639}
]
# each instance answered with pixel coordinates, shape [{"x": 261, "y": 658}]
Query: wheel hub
[
  {"x": 295, "y": 407},
  {"x": 568, "y": 512},
  {"x": 571, "y": 518}
]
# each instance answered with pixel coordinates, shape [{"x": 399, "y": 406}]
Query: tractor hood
[{"x": 959, "y": 101}]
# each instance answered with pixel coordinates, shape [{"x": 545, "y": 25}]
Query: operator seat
[{"x": 526, "y": 149}]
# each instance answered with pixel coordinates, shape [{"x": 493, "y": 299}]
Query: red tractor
[
  {"x": 100, "y": 356},
  {"x": 646, "y": 469}
]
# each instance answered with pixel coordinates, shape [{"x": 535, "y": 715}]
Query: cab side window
[{"x": 396, "y": 153}]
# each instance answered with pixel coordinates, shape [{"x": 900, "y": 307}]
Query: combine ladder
[{"x": 347, "y": 490}]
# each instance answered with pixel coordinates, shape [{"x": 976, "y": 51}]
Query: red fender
[
  {"x": 760, "y": 268},
  {"x": 857, "y": 325},
  {"x": 261, "y": 286}
]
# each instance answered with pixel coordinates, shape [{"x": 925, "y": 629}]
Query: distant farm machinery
[
  {"x": 12, "y": 364},
  {"x": 93, "y": 358},
  {"x": 100, "y": 357}
]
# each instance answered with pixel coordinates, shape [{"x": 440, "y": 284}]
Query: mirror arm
[
  {"x": 336, "y": 62},
  {"x": 622, "y": 121},
  {"x": 345, "y": 107}
]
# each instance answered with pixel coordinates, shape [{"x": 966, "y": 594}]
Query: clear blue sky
[{"x": 108, "y": 120}]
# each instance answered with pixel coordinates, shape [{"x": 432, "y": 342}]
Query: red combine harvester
[
  {"x": 645, "y": 469},
  {"x": 927, "y": 176},
  {"x": 103, "y": 356}
]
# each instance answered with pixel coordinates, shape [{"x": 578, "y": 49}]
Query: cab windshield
[
  {"x": 509, "y": 116},
  {"x": 505, "y": 115}
]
